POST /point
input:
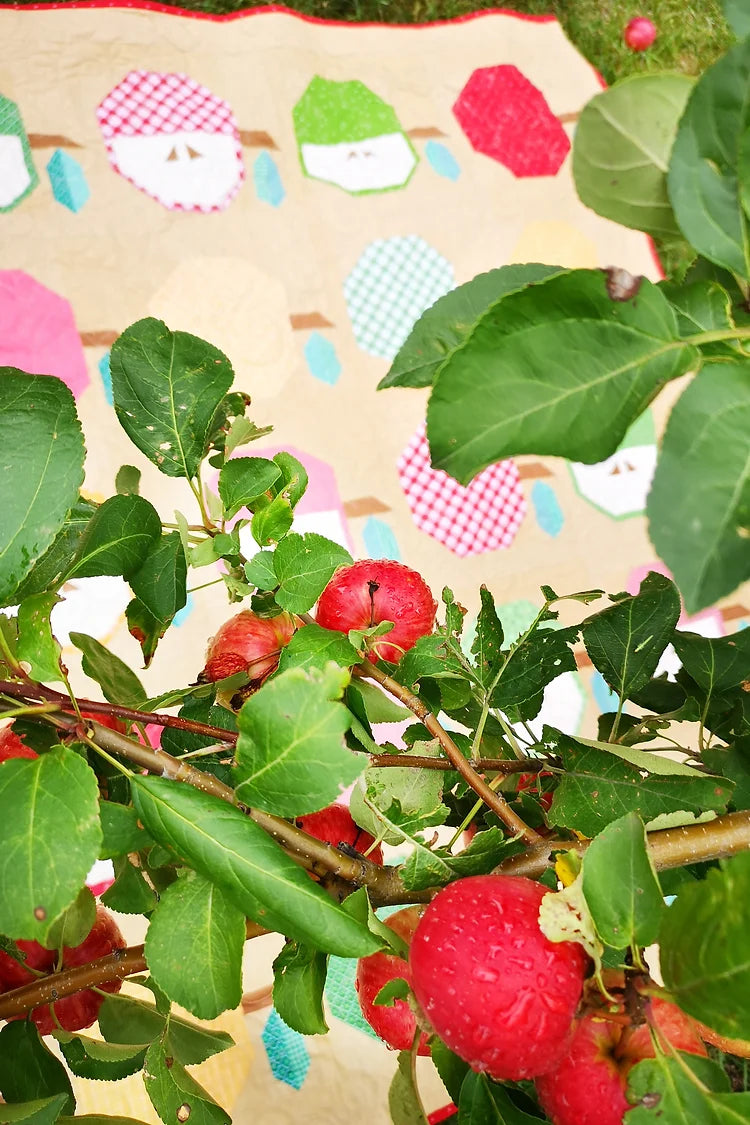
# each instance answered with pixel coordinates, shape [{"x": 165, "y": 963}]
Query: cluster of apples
[{"x": 515, "y": 1005}]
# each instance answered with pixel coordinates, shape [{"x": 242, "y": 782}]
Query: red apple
[
  {"x": 110, "y": 721},
  {"x": 336, "y": 826},
  {"x": 587, "y": 1086},
  {"x": 396, "y": 1024},
  {"x": 74, "y": 1013},
  {"x": 247, "y": 643},
  {"x": 639, "y": 33},
  {"x": 443, "y": 1114},
  {"x": 375, "y": 590},
  {"x": 11, "y": 746},
  {"x": 495, "y": 989}
]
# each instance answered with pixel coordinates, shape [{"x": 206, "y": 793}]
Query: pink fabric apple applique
[{"x": 174, "y": 140}]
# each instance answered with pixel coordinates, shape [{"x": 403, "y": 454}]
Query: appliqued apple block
[
  {"x": 174, "y": 140},
  {"x": 392, "y": 284},
  {"x": 17, "y": 173},
  {"x": 482, "y": 516},
  {"x": 38, "y": 332},
  {"x": 348, "y": 136},
  {"x": 620, "y": 485},
  {"x": 507, "y": 117}
]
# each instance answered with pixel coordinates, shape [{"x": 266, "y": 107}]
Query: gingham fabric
[
  {"x": 481, "y": 517},
  {"x": 146, "y": 103},
  {"x": 392, "y": 284}
]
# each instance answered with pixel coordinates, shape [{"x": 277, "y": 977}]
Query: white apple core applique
[
  {"x": 14, "y": 175},
  {"x": 618, "y": 486},
  {"x": 370, "y": 165},
  {"x": 184, "y": 169},
  {"x": 90, "y": 605}
]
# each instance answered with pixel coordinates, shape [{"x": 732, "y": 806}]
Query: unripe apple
[
  {"x": 396, "y": 1024},
  {"x": 639, "y": 33},
  {"x": 495, "y": 989},
  {"x": 11, "y": 746},
  {"x": 335, "y": 826},
  {"x": 76, "y": 1012},
  {"x": 247, "y": 643},
  {"x": 587, "y": 1086},
  {"x": 374, "y": 590}
]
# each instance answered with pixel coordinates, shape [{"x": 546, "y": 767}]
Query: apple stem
[{"x": 495, "y": 802}]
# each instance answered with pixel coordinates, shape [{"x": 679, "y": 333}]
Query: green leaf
[
  {"x": 538, "y": 660},
  {"x": 488, "y": 643},
  {"x": 403, "y": 1097},
  {"x": 703, "y": 169},
  {"x": 194, "y": 946},
  {"x": 243, "y": 479},
  {"x": 314, "y": 647},
  {"x": 117, "y": 538},
  {"x": 118, "y": 682},
  {"x": 124, "y": 1020},
  {"x": 429, "y": 658},
  {"x": 737, "y": 15},
  {"x": 224, "y": 845},
  {"x": 412, "y": 798},
  {"x": 378, "y": 707},
  {"x": 484, "y": 1103},
  {"x": 484, "y": 853},
  {"x": 620, "y": 885},
  {"x": 74, "y": 924},
  {"x": 626, "y": 640},
  {"x": 621, "y": 150},
  {"x": 396, "y": 989},
  {"x": 179, "y": 742},
  {"x": 299, "y": 977},
  {"x": 450, "y": 1067},
  {"x": 703, "y": 306},
  {"x": 291, "y": 756},
  {"x": 260, "y": 571},
  {"x": 174, "y": 1094},
  {"x": 103, "y": 1062},
  {"x": 524, "y": 381},
  {"x": 147, "y": 629},
  {"x": 699, "y": 505},
  {"x": 294, "y": 477},
  {"x": 732, "y": 762},
  {"x": 446, "y": 325},
  {"x": 121, "y": 832},
  {"x": 40, "y": 1111},
  {"x": 49, "y": 571},
  {"x": 128, "y": 480},
  {"x": 684, "y": 1089},
  {"x": 41, "y": 468},
  {"x": 167, "y": 387},
  {"x": 271, "y": 522},
  {"x": 37, "y": 646},
  {"x": 710, "y": 977},
  {"x": 130, "y": 893},
  {"x": 28, "y": 1069},
  {"x": 43, "y": 801},
  {"x": 160, "y": 584},
  {"x": 717, "y": 664},
  {"x": 304, "y": 565},
  {"x": 598, "y": 788}
]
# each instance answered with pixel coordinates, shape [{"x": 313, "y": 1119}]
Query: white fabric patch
[
  {"x": 185, "y": 169},
  {"x": 14, "y": 175},
  {"x": 619, "y": 485},
  {"x": 371, "y": 165}
]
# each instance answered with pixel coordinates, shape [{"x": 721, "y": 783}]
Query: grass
[{"x": 692, "y": 33}]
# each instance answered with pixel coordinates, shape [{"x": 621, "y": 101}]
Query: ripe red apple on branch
[
  {"x": 71, "y": 1013},
  {"x": 395, "y": 1023},
  {"x": 336, "y": 826},
  {"x": 11, "y": 746},
  {"x": 247, "y": 643}
]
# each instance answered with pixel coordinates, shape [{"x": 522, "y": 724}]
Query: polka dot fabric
[
  {"x": 146, "y": 103},
  {"x": 483, "y": 516}
]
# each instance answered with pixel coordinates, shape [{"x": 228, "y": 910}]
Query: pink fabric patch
[
  {"x": 483, "y": 516},
  {"x": 146, "y": 102},
  {"x": 506, "y": 117},
  {"x": 38, "y": 331}
]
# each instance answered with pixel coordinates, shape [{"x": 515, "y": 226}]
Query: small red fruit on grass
[
  {"x": 639, "y": 34},
  {"x": 336, "y": 826},
  {"x": 247, "y": 643},
  {"x": 76, "y": 1012},
  {"x": 587, "y": 1087},
  {"x": 375, "y": 590},
  {"x": 11, "y": 746},
  {"x": 396, "y": 1024},
  {"x": 495, "y": 989}
]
